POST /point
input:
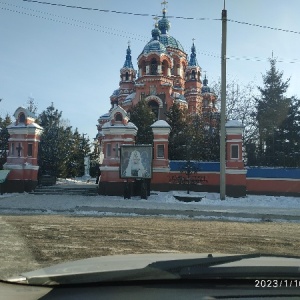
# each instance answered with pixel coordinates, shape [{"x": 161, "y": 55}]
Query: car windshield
[{"x": 196, "y": 148}]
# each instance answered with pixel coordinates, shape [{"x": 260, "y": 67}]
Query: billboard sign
[{"x": 136, "y": 161}]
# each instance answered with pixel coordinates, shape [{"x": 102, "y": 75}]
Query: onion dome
[
  {"x": 155, "y": 45},
  {"x": 165, "y": 38},
  {"x": 171, "y": 42},
  {"x": 164, "y": 24},
  {"x": 205, "y": 88},
  {"x": 156, "y": 32}
]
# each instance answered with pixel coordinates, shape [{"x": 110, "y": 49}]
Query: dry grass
[{"x": 30, "y": 242}]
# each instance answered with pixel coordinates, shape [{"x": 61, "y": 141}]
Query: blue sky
[{"x": 72, "y": 57}]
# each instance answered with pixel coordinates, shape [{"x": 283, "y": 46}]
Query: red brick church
[{"x": 166, "y": 74}]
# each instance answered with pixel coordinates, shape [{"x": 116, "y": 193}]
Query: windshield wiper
[{"x": 210, "y": 260}]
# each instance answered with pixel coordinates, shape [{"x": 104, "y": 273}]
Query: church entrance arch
[{"x": 155, "y": 103}]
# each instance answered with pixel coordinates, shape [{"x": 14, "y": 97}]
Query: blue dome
[
  {"x": 155, "y": 33},
  {"x": 164, "y": 25},
  {"x": 171, "y": 42},
  {"x": 205, "y": 88},
  {"x": 154, "y": 46}
]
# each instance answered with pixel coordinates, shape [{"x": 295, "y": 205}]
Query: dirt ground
[{"x": 31, "y": 242}]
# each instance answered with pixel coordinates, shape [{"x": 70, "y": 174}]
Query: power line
[
  {"x": 171, "y": 17},
  {"x": 67, "y": 18},
  {"x": 248, "y": 58},
  {"x": 72, "y": 24},
  {"x": 115, "y": 11},
  {"x": 264, "y": 26},
  {"x": 131, "y": 35}
]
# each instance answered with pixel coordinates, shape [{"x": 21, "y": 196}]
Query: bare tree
[{"x": 240, "y": 105}]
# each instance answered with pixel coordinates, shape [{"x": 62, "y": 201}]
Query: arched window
[
  {"x": 21, "y": 118},
  {"x": 127, "y": 76},
  {"x": 154, "y": 107},
  {"x": 153, "y": 67},
  {"x": 178, "y": 69},
  {"x": 118, "y": 117},
  {"x": 193, "y": 74},
  {"x": 142, "y": 68},
  {"x": 164, "y": 68}
]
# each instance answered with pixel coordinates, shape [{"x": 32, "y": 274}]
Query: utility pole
[{"x": 223, "y": 108}]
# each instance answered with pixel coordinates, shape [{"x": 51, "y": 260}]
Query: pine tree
[
  {"x": 176, "y": 117},
  {"x": 272, "y": 108},
  {"x": 79, "y": 148},
  {"x": 287, "y": 138},
  {"x": 55, "y": 141},
  {"x": 142, "y": 117},
  {"x": 4, "y": 136},
  {"x": 48, "y": 148}
]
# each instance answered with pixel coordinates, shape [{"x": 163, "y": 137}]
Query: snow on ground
[
  {"x": 76, "y": 180},
  {"x": 167, "y": 198},
  {"x": 213, "y": 199},
  {"x": 249, "y": 208}
]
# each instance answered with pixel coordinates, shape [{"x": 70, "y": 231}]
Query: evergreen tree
[
  {"x": 272, "y": 108},
  {"x": 4, "y": 136},
  {"x": 287, "y": 138},
  {"x": 61, "y": 152},
  {"x": 210, "y": 149},
  {"x": 142, "y": 116},
  {"x": 78, "y": 149},
  {"x": 176, "y": 117},
  {"x": 49, "y": 147},
  {"x": 195, "y": 137}
]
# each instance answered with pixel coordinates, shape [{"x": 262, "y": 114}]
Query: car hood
[{"x": 155, "y": 266}]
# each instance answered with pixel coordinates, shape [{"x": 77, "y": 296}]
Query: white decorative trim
[
  {"x": 117, "y": 130},
  {"x": 31, "y": 167},
  {"x": 199, "y": 173},
  {"x": 275, "y": 179},
  {"x": 233, "y": 171},
  {"x": 22, "y": 140},
  {"x": 24, "y": 130},
  {"x": 108, "y": 168},
  {"x": 161, "y": 130},
  {"x": 161, "y": 170},
  {"x": 234, "y": 130},
  {"x": 160, "y": 140},
  {"x": 118, "y": 139},
  {"x": 16, "y": 157},
  {"x": 234, "y": 141},
  {"x": 20, "y": 167}
]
